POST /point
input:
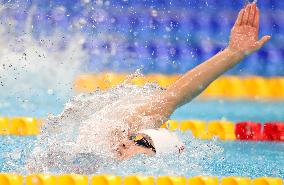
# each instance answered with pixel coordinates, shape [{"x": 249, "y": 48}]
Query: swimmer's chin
[{"x": 119, "y": 156}]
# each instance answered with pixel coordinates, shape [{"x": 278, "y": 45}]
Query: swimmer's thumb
[{"x": 262, "y": 41}]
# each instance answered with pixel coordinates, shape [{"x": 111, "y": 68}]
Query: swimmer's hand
[{"x": 244, "y": 34}]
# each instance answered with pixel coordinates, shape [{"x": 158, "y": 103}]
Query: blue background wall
[{"x": 154, "y": 36}]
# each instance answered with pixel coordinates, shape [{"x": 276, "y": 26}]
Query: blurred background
[
  {"x": 160, "y": 36},
  {"x": 47, "y": 44}
]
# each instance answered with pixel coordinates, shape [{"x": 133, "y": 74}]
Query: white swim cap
[{"x": 164, "y": 141}]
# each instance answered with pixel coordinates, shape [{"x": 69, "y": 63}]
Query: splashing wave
[{"x": 78, "y": 140}]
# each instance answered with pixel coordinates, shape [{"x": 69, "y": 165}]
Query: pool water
[
  {"x": 202, "y": 157},
  {"x": 45, "y": 48}
]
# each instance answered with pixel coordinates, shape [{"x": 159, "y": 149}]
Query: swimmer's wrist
[{"x": 236, "y": 55}]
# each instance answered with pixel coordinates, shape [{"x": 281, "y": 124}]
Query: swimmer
[
  {"x": 243, "y": 41},
  {"x": 113, "y": 129}
]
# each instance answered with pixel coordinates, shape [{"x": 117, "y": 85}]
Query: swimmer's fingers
[
  {"x": 256, "y": 19},
  {"x": 255, "y": 24},
  {"x": 252, "y": 14},
  {"x": 262, "y": 41},
  {"x": 245, "y": 17},
  {"x": 239, "y": 19}
]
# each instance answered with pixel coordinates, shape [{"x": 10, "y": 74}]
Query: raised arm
[{"x": 243, "y": 41}]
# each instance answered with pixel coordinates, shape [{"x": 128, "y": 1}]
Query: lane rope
[
  {"x": 231, "y": 87},
  {"x": 224, "y": 130},
  {"x": 74, "y": 179}
]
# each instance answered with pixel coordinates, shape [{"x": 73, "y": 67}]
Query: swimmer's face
[{"x": 128, "y": 149}]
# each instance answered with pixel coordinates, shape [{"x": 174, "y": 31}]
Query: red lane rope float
[
  {"x": 248, "y": 130},
  {"x": 273, "y": 131}
]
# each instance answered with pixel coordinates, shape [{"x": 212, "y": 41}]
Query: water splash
[
  {"x": 36, "y": 71},
  {"x": 91, "y": 117},
  {"x": 78, "y": 140}
]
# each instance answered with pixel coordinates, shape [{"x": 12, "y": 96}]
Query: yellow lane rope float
[
  {"x": 21, "y": 126},
  {"x": 222, "y": 129},
  {"x": 104, "y": 179},
  {"x": 231, "y": 87}
]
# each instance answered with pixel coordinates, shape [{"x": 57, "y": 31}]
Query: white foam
[{"x": 86, "y": 127}]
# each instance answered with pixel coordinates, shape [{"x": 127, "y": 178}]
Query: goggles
[{"x": 140, "y": 140}]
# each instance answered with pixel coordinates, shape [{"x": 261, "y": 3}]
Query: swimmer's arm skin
[{"x": 243, "y": 41}]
